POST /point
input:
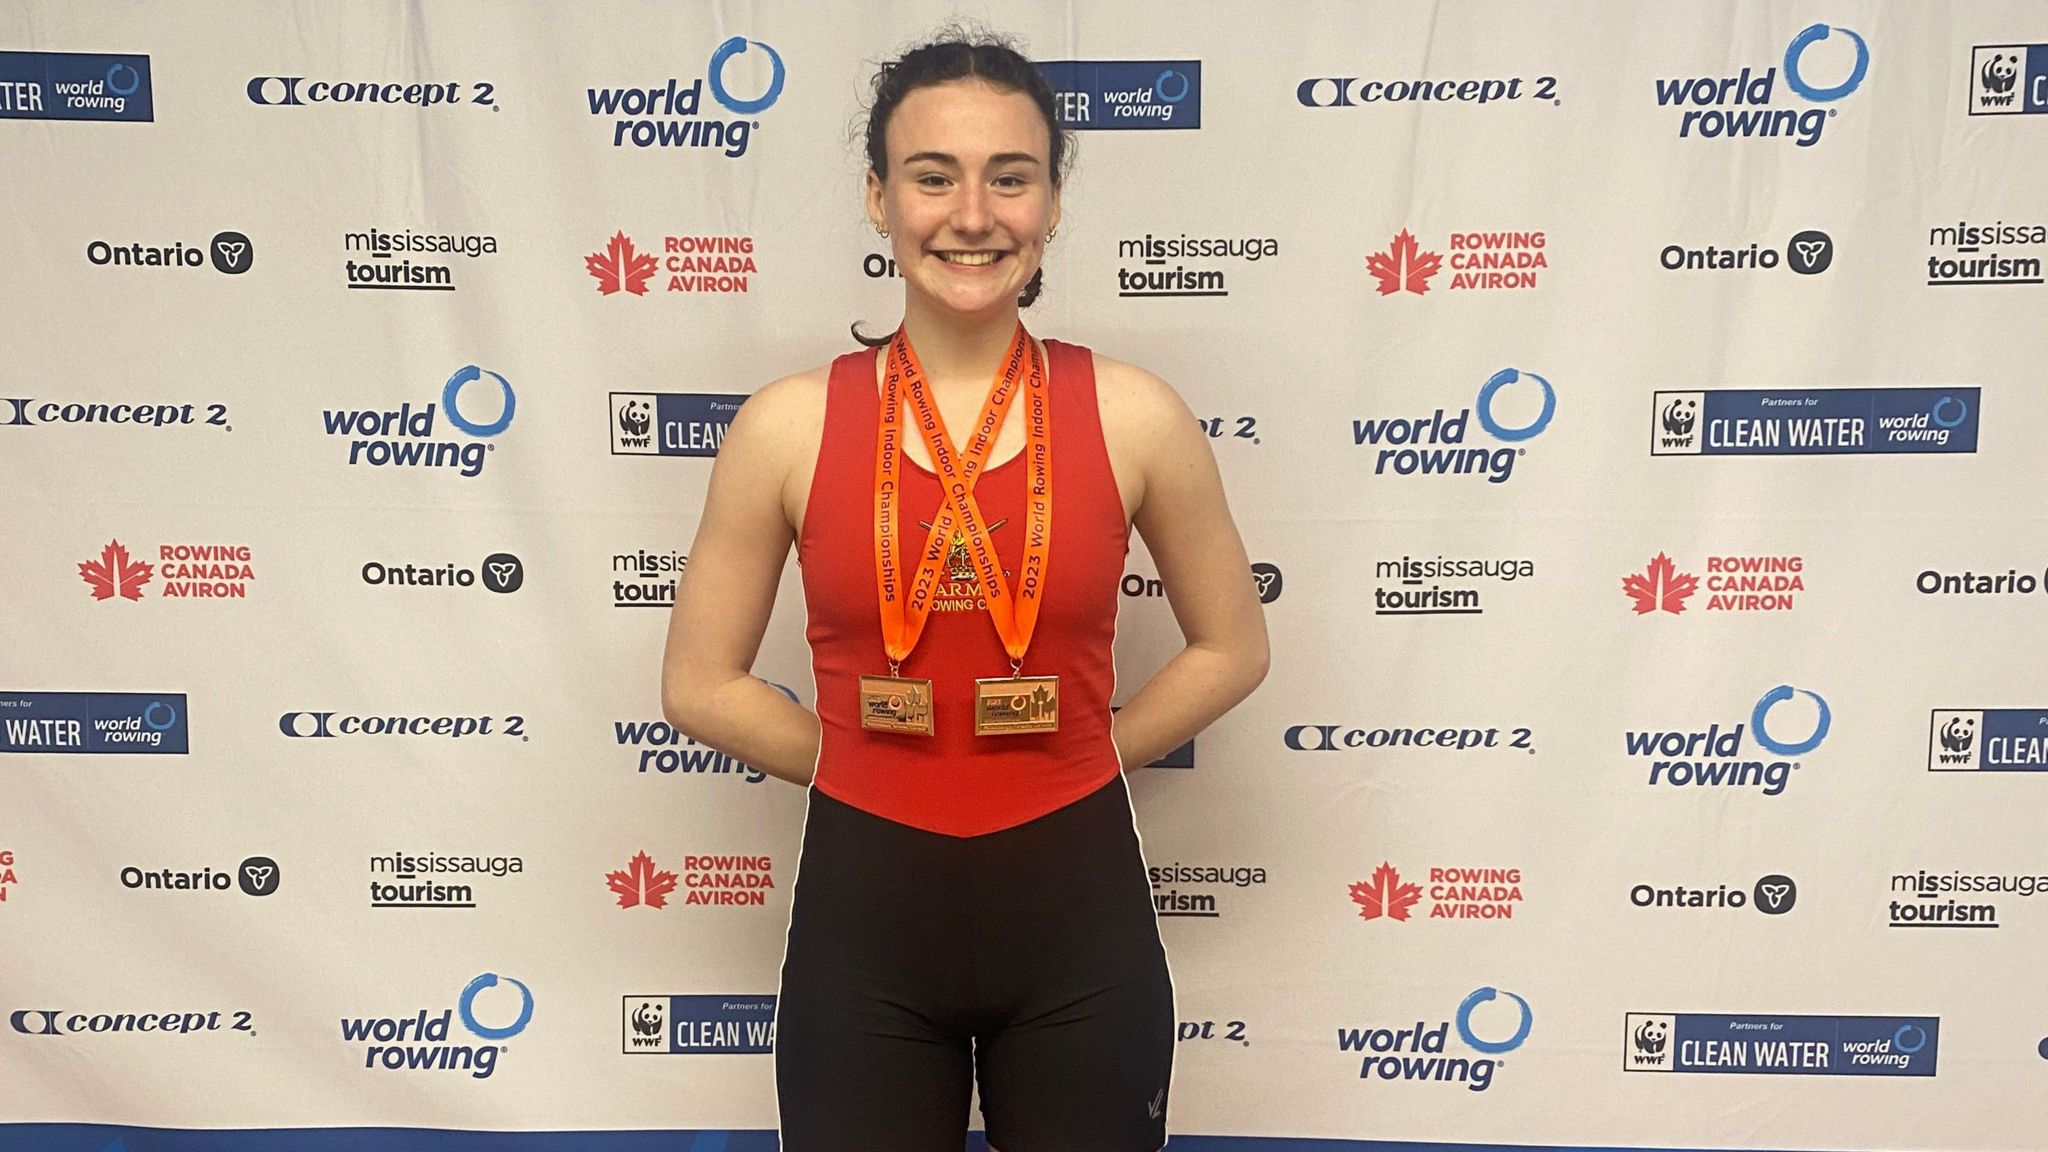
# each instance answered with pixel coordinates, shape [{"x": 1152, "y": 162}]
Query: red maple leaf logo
[
  {"x": 1385, "y": 895},
  {"x": 617, "y": 266},
  {"x": 641, "y": 884},
  {"x": 1661, "y": 588},
  {"x": 112, "y": 575},
  {"x": 1401, "y": 268}
]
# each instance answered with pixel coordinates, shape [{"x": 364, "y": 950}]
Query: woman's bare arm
[
  {"x": 727, "y": 591},
  {"x": 1185, "y": 520}
]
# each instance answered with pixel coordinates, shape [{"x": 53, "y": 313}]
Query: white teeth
[{"x": 975, "y": 258}]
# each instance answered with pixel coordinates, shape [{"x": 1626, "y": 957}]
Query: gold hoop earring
[
  {"x": 1052, "y": 232},
  {"x": 882, "y": 232}
]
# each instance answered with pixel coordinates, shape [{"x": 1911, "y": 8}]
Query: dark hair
[{"x": 962, "y": 55}]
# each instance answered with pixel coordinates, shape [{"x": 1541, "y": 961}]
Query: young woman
[{"x": 971, "y": 900}]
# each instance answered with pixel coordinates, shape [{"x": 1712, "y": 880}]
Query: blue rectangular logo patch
[
  {"x": 90, "y": 722},
  {"x": 74, "y": 86},
  {"x": 697, "y": 1025},
  {"x": 1813, "y": 421},
  {"x": 671, "y": 423},
  {"x": 1781, "y": 1045},
  {"x": 1113, "y": 94}
]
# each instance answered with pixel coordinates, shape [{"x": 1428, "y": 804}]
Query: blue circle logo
[
  {"x": 114, "y": 86},
  {"x": 1772, "y": 699},
  {"x": 1500, "y": 380},
  {"x": 1159, "y": 87},
  {"x": 1492, "y": 1047},
  {"x": 1899, "y": 1038},
  {"x": 1797, "y": 48},
  {"x": 1962, "y": 412},
  {"x": 464, "y": 375},
  {"x": 490, "y": 980},
  {"x": 727, "y": 51},
  {"x": 149, "y": 716}
]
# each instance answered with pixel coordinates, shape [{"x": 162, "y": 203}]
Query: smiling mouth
[{"x": 970, "y": 259}]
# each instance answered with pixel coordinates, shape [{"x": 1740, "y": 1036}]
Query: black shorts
[{"x": 1028, "y": 959}]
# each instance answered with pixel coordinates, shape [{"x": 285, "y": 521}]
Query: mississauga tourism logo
[
  {"x": 1490, "y": 1023},
  {"x": 1434, "y": 445},
  {"x": 75, "y": 86},
  {"x": 1442, "y": 585},
  {"x": 1808, "y": 253},
  {"x": 744, "y": 78},
  {"x": 403, "y": 260},
  {"x": 1142, "y": 269},
  {"x": 2009, "y": 80},
  {"x": 422, "y": 1042},
  {"x": 1983, "y": 255},
  {"x": 1125, "y": 94},
  {"x": 696, "y": 1025},
  {"x": 1929, "y": 898},
  {"x": 1749, "y": 105},
  {"x": 701, "y": 265},
  {"x": 646, "y": 578},
  {"x": 1479, "y": 261},
  {"x": 1813, "y": 421},
  {"x": 1734, "y": 583},
  {"x": 704, "y": 881},
  {"x": 1772, "y": 895},
  {"x": 671, "y": 423},
  {"x": 1453, "y": 892},
  {"x": 1987, "y": 740},
  {"x": 179, "y": 572},
  {"x": 1780, "y": 1045},
  {"x": 433, "y": 880},
  {"x": 663, "y": 751},
  {"x": 1715, "y": 757},
  {"x": 1200, "y": 890},
  {"x": 404, "y": 438},
  {"x": 148, "y": 723}
]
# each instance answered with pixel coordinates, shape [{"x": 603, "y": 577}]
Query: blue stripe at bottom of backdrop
[{"x": 121, "y": 1138}]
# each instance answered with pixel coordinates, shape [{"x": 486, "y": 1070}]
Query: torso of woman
[{"x": 953, "y": 781}]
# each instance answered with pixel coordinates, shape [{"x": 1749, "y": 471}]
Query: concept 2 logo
[
  {"x": 1740, "y": 105},
  {"x": 1435, "y": 444}
]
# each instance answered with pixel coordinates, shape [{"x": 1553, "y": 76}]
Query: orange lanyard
[{"x": 905, "y": 610}]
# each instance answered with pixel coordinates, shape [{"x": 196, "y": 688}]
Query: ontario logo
[
  {"x": 674, "y": 115},
  {"x": 1480, "y": 261},
  {"x": 1813, "y": 421},
  {"x": 404, "y": 438},
  {"x": 1715, "y": 758},
  {"x": 1741, "y": 106},
  {"x": 422, "y": 1042},
  {"x": 1987, "y": 740},
  {"x": 1434, "y": 445},
  {"x": 1454, "y": 893},
  {"x": 704, "y": 265},
  {"x": 1423, "y": 1053},
  {"x": 1780, "y": 1045}
]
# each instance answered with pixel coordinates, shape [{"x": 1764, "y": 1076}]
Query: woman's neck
[{"x": 956, "y": 351}]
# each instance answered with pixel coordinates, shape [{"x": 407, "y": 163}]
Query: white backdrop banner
[{"x": 1629, "y": 410}]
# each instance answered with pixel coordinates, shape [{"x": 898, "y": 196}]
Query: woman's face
[{"x": 969, "y": 196}]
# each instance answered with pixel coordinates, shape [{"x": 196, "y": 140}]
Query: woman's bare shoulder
[{"x": 1134, "y": 398}]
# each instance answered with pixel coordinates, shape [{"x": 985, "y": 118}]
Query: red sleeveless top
[{"x": 953, "y": 781}]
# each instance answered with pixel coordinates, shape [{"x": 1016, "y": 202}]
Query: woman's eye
[{"x": 932, "y": 180}]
